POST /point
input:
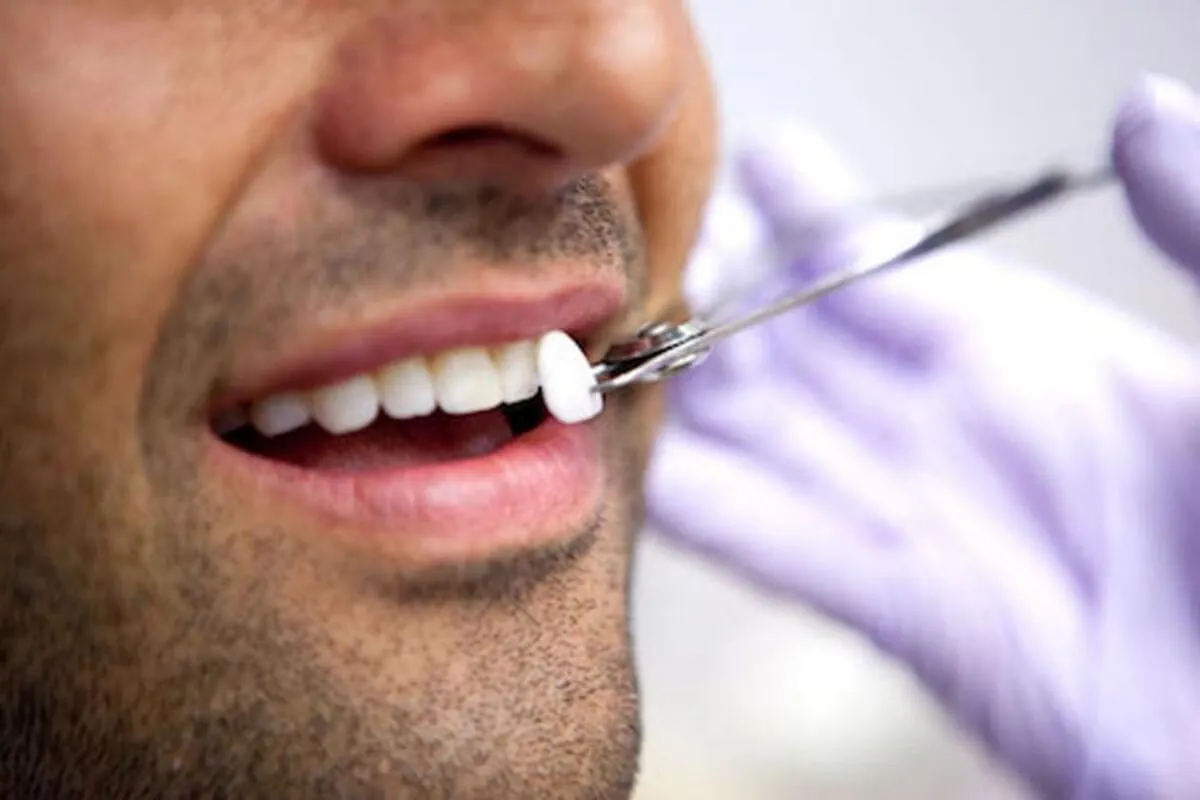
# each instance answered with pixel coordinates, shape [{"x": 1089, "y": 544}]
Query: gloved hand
[{"x": 992, "y": 476}]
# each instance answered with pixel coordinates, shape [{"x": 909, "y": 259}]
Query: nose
[{"x": 528, "y": 94}]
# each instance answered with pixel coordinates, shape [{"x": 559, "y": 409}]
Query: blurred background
[{"x": 748, "y": 698}]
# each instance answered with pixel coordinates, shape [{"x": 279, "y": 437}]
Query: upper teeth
[{"x": 460, "y": 381}]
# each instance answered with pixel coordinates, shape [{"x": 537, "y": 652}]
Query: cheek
[
  {"x": 103, "y": 162},
  {"x": 671, "y": 186},
  {"x": 127, "y": 133}
]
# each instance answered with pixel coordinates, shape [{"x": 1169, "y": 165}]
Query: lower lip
[{"x": 537, "y": 490}]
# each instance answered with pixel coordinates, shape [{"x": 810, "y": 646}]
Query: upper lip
[{"x": 459, "y": 319}]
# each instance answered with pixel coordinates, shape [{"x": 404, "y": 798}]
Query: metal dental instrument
[{"x": 660, "y": 350}]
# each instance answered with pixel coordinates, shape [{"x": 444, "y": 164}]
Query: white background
[{"x": 752, "y": 699}]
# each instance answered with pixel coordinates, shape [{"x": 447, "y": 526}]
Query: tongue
[{"x": 388, "y": 442}]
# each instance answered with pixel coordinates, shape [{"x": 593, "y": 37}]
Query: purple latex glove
[{"x": 994, "y": 477}]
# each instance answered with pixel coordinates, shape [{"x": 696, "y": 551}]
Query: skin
[{"x": 184, "y": 183}]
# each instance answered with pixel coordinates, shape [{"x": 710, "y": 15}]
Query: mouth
[{"x": 461, "y": 431}]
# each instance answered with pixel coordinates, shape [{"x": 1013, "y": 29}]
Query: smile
[{"x": 463, "y": 430}]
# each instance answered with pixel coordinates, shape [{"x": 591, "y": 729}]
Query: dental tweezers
[{"x": 660, "y": 349}]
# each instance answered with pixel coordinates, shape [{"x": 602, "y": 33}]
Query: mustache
[
  {"x": 258, "y": 281},
  {"x": 395, "y": 238}
]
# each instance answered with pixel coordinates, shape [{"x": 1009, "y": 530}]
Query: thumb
[
  {"x": 795, "y": 177},
  {"x": 1156, "y": 152},
  {"x": 814, "y": 202}
]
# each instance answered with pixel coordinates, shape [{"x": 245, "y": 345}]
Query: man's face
[{"x": 222, "y": 219}]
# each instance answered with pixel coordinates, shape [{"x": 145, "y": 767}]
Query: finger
[
  {"x": 921, "y": 305},
  {"x": 793, "y": 434},
  {"x": 1156, "y": 152},
  {"x": 823, "y": 374},
  {"x": 735, "y": 365},
  {"x": 793, "y": 178},
  {"x": 805, "y": 193},
  {"x": 722, "y": 503},
  {"x": 862, "y": 386},
  {"x": 731, "y": 253}
]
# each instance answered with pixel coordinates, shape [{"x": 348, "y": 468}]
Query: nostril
[
  {"x": 483, "y": 135},
  {"x": 489, "y": 134},
  {"x": 487, "y": 154},
  {"x": 471, "y": 135}
]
